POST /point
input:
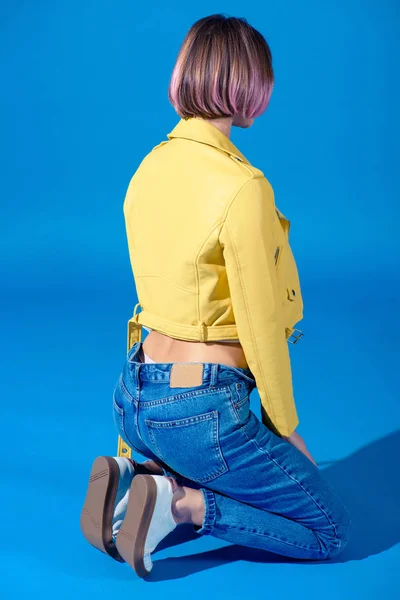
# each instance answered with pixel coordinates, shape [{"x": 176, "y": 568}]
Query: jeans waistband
[{"x": 213, "y": 373}]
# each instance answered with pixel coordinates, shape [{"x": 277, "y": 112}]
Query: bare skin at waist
[{"x": 163, "y": 348}]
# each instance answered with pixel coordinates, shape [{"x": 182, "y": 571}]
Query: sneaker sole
[
  {"x": 98, "y": 509},
  {"x": 131, "y": 537}
]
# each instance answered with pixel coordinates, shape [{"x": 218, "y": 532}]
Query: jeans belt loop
[{"x": 214, "y": 374}]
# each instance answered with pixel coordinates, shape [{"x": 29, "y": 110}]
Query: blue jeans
[{"x": 258, "y": 489}]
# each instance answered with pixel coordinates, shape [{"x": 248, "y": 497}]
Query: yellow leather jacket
[{"x": 211, "y": 258}]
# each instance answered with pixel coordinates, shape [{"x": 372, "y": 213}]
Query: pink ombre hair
[{"x": 224, "y": 67}]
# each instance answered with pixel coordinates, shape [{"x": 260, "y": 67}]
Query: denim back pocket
[{"x": 190, "y": 446}]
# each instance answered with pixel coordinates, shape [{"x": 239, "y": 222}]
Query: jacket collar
[{"x": 205, "y": 133}]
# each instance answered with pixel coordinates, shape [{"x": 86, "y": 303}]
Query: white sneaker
[
  {"x": 106, "y": 500},
  {"x": 148, "y": 520}
]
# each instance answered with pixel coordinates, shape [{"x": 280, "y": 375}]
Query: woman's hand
[{"x": 297, "y": 441}]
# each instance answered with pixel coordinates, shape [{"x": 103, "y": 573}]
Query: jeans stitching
[
  {"x": 157, "y": 450},
  {"x": 121, "y": 414},
  {"x": 296, "y": 481},
  {"x": 185, "y": 422},
  {"x": 243, "y": 401},
  {"x": 217, "y": 445},
  {"x": 185, "y": 395},
  {"x": 233, "y": 403},
  {"x": 219, "y": 457},
  {"x": 119, "y": 410},
  {"x": 209, "y": 512},
  {"x": 125, "y": 391},
  {"x": 264, "y": 534}
]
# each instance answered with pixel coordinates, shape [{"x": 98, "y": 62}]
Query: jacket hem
[{"x": 200, "y": 332}]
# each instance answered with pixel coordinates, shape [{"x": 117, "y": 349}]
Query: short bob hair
[{"x": 224, "y": 67}]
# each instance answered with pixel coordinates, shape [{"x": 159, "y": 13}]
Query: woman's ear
[{"x": 240, "y": 121}]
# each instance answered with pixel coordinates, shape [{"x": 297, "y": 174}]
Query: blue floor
[{"x": 64, "y": 351}]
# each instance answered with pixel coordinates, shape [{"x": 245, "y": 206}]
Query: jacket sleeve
[{"x": 247, "y": 240}]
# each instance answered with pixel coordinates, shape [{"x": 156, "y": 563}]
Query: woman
[{"x": 220, "y": 295}]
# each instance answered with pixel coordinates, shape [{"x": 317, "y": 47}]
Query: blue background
[{"x": 84, "y": 98}]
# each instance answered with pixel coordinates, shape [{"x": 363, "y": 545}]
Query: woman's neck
[{"x": 224, "y": 124}]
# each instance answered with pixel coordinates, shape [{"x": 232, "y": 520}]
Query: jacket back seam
[
  {"x": 196, "y": 260},
  {"x": 196, "y": 268}
]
